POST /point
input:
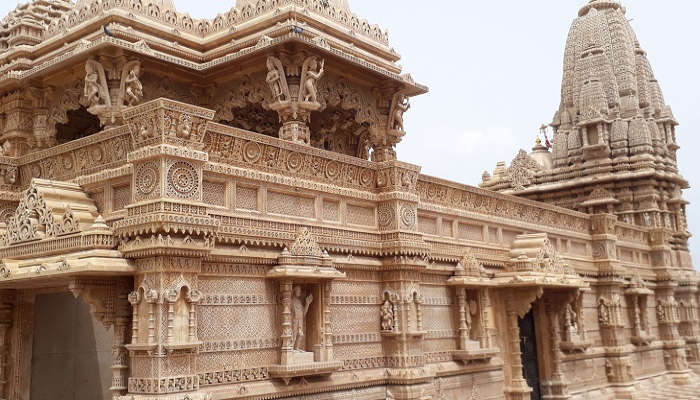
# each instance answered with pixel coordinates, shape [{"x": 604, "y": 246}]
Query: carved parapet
[{"x": 165, "y": 121}]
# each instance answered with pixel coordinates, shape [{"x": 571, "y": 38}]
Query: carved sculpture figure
[
  {"x": 95, "y": 92},
  {"x": 571, "y": 318},
  {"x": 300, "y": 307},
  {"x": 274, "y": 79},
  {"x": 660, "y": 311},
  {"x": 387, "y": 316},
  {"x": 603, "y": 313},
  {"x": 310, "y": 79},
  {"x": 91, "y": 93},
  {"x": 133, "y": 88},
  {"x": 402, "y": 106}
]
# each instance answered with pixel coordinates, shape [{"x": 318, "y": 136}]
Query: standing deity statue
[
  {"x": 311, "y": 79},
  {"x": 571, "y": 318},
  {"x": 133, "y": 87},
  {"x": 661, "y": 312},
  {"x": 91, "y": 92},
  {"x": 471, "y": 309},
  {"x": 603, "y": 313},
  {"x": 300, "y": 307},
  {"x": 274, "y": 80},
  {"x": 402, "y": 106},
  {"x": 387, "y": 316}
]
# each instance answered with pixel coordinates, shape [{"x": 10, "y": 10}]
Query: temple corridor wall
[{"x": 417, "y": 282}]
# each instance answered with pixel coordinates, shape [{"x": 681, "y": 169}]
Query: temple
[{"x": 215, "y": 209}]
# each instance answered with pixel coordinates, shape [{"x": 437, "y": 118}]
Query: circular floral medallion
[
  {"x": 294, "y": 162},
  {"x": 332, "y": 170},
  {"x": 386, "y": 215},
  {"x": 252, "y": 152},
  {"x": 408, "y": 217},
  {"x": 366, "y": 177},
  {"x": 183, "y": 179},
  {"x": 146, "y": 179}
]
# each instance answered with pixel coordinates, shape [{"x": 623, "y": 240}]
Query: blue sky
[{"x": 494, "y": 71}]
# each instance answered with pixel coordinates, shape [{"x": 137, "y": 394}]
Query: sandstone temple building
[{"x": 215, "y": 209}]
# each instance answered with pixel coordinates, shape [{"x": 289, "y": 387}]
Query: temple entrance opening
[
  {"x": 71, "y": 352},
  {"x": 528, "y": 349}
]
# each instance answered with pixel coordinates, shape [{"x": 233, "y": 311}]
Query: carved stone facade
[{"x": 226, "y": 197}]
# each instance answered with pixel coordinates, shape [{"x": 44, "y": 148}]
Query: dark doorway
[
  {"x": 80, "y": 124},
  {"x": 528, "y": 348},
  {"x": 72, "y": 352}
]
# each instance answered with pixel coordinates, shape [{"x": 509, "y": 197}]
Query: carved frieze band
[
  {"x": 356, "y": 300},
  {"x": 239, "y": 345},
  {"x": 354, "y": 338},
  {"x": 233, "y": 376},
  {"x": 233, "y": 300}
]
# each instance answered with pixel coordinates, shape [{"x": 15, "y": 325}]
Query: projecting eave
[
  {"x": 78, "y": 52},
  {"x": 599, "y": 179}
]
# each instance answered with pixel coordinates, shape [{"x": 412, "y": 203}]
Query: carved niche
[
  {"x": 573, "y": 330},
  {"x": 471, "y": 282},
  {"x": 637, "y": 294},
  {"x": 305, "y": 272}
]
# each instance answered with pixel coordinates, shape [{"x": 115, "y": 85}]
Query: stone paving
[{"x": 672, "y": 392}]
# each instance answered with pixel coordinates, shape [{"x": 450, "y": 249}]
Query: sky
[{"x": 494, "y": 71}]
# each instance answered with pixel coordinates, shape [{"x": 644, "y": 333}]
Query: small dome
[{"x": 542, "y": 156}]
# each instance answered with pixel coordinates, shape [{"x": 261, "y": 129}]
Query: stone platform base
[{"x": 656, "y": 388}]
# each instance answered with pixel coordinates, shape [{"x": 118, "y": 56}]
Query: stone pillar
[
  {"x": 167, "y": 187},
  {"x": 689, "y": 327},
  {"x": 518, "y": 388},
  {"x": 462, "y": 315},
  {"x": 667, "y": 311},
  {"x": 287, "y": 345},
  {"x": 120, "y": 356},
  {"x": 7, "y": 311},
  {"x": 517, "y": 303},
  {"x": 18, "y": 134},
  {"x": 556, "y": 387}
]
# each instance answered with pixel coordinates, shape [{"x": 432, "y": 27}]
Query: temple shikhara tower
[{"x": 215, "y": 209}]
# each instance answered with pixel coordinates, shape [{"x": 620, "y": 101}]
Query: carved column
[
  {"x": 689, "y": 326},
  {"x": 167, "y": 232},
  {"x": 120, "y": 356},
  {"x": 7, "y": 312},
  {"x": 18, "y": 135},
  {"x": 610, "y": 291},
  {"x": 517, "y": 303},
  {"x": 462, "y": 315},
  {"x": 286, "y": 336},
  {"x": 667, "y": 311},
  {"x": 518, "y": 388},
  {"x": 556, "y": 387}
]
